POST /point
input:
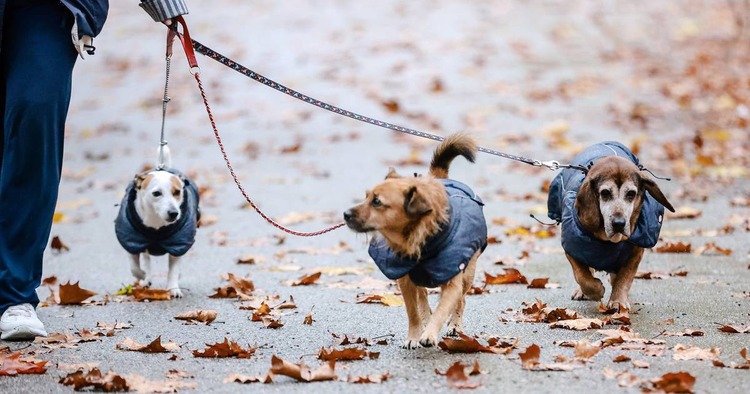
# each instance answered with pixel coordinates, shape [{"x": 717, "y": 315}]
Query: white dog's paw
[
  {"x": 428, "y": 340},
  {"x": 175, "y": 293},
  {"x": 138, "y": 272},
  {"x": 411, "y": 344},
  {"x": 453, "y": 331}
]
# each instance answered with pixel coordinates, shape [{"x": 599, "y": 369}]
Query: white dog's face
[
  {"x": 158, "y": 198},
  {"x": 616, "y": 203}
]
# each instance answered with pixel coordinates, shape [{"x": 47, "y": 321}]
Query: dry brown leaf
[
  {"x": 538, "y": 283},
  {"x": 585, "y": 350},
  {"x": 154, "y": 347},
  {"x": 510, "y": 276},
  {"x": 272, "y": 323},
  {"x": 94, "y": 378},
  {"x": 457, "y": 378},
  {"x": 308, "y": 319},
  {"x": 200, "y": 315},
  {"x": 244, "y": 379},
  {"x": 641, "y": 364},
  {"x": 225, "y": 349},
  {"x": 578, "y": 324},
  {"x": 58, "y": 245},
  {"x": 302, "y": 372},
  {"x": 735, "y": 329},
  {"x": 375, "y": 378},
  {"x": 682, "y": 352},
  {"x": 251, "y": 259},
  {"x": 388, "y": 299},
  {"x": 684, "y": 213},
  {"x": 711, "y": 249},
  {"x": 148, "y": 294},
  {"x": 241, "y": 288},
  {"x": 12, "y": 364},
  {"x": 674, "y": 247},
  {"x": 142, "y": 385},
  {"x": 467, "y": 344},
  {"x": 73, "y": 294},
  {"x": 307, "y": 280},
  {"x": 677, "y": 382},
  {"x": 347, "y": 354},
  {"x": 621, "y": 358}
]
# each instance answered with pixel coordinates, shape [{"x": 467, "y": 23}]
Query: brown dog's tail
[{"x": 453, "y": 146}]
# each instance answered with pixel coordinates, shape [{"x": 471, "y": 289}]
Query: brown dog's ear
[
  {"x": 138, "y": 180},
  {"x": 392, "y": 174},
  {"x": 587, "y": 205},
  {"x": 415, "y": 205},
  {"x": 653, "y": 189}
]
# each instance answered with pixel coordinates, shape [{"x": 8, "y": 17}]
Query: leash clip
[{"x": 552, "y": 164}]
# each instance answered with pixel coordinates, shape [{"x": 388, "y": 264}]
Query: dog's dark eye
[
  {"x": 630, "y": 195},
  {"x": 606, "y": 194},
  {"x": 176, "y": 193},
  {"x": 156, "y": 193},
  {"x": 376, "y": 202}
]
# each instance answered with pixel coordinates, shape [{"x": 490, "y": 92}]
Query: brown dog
[
  {"x": 608, "y": 216},
  {"x": 431, "y": 232}
]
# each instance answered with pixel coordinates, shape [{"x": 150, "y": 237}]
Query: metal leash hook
[{"x": 165, "y": 99}]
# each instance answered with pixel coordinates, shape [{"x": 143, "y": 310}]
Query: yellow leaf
[
  {"x": 392, "y": 300},
  {"x": 58, "y": 217}
]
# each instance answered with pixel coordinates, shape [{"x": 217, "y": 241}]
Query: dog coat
[
  {"x": 592, "y": 252},
  {"x": 446, "y": 253},
  {"x": 175, "y": 239}
]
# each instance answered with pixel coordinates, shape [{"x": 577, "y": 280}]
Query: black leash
[{"x": 206, "y": 51}]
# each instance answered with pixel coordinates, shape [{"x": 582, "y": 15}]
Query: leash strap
[
  {"x": 204, "y": 50},
  {"x": 195, "y": 70}
]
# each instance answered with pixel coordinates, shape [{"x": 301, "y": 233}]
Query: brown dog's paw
[
  {"x": 411, "y": 344},
  {"x": 618, "y": 305},
  {"x": 594, "y": 291},
  {"x": 428, "y": 340}
]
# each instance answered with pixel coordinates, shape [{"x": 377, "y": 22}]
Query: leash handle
[{"x": 195, "y": 70}]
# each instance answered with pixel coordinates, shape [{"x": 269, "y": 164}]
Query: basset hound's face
[{"x": 610, "y": 199}]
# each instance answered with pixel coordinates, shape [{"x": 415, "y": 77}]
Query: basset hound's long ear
[
  {"x": 587, "y": 205},
  {"x": 653, "y": 189},
  {"x": 415, "y": 204}
]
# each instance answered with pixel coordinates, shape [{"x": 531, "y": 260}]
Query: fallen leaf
[
  {"x": 267, "y": 378},
  {"x": 538, "y": 283},
  {"x": 308, "y": 319},
  {"x": 682, "y": 352},
  {"x": 269, "y": 322},
  {"x": 149, "y": 294},
  {"x": 241, "y": 288},
  {"x": 375, "y": 378},
  {"x": 94, "y": 378},
  {"x": 225, "y": 349},
  {"x": 510, "y": 276},
  {"x": 467, "y": 344},
  {"x": 388, "y": 299},
  {"x": 73, "y": 294},
  {"x": 711, "y": 249},
  {"x": 641, "y": 364},
  {"x": 142, "y": 385},
  {"x": 585, "y": 350},
  {"x": 346, "y": 354},
  {"x": 200, "y": 315},
  {"x": 677, "y": 382},
  {"x": 684, "y": 213},
  {"x": 578, "y": 324},
  {"x": 457, "y": 378},
  {"x": 674, "y": 247},
  {"x": 735, "y": 329},
  {"x": 621, "y": 358},
  {"x": 251, "y": 259},
  {"x": 307, "y": 280},
  {"x": 12, "y": 364},
  {"x": 154, "y": 347},
  {"x": 302, "y": 372},
  {"x": 530, "y": 356},
  {"x": 57, "y": 245}
]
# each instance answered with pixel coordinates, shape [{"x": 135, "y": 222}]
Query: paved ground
[{"x": 539, "y": 78}]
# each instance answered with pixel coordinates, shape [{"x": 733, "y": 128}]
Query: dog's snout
[
  {"x": 347, "y": 215},
  {"x": 172, "y": 215},
  {"x": 618, "y": 223}
]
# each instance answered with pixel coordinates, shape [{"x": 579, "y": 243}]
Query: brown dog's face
[
  {"x": 401, "y": 209},
  {"x": 610, "y": 199}
]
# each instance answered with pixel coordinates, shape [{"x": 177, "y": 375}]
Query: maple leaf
[
  {"x": 585, "y": 350},
  {"x": 347, "y": 354},
  {"x": 510, "y": 276},
  {"x": 735, "y": 329},
  {"x": 385, "y": 299},
  {"x": 530, "y": 356},
  {"x": 538, "y": 283},
  {"x": 375, "y": 378},
  {"x": 238, "y": 288},
  {"x": 674, "y": 247},
  {"x": 155, "y": 346},
  {"x": 467, "y": 344},
  {"x": 225, "y": 349},
  {"x": 677, "y": 382},
  {"x": 270, "y": 322},
  {"x": 302, "y": 372},
  {"x": 73, "y": 294},
  {"x": 95, "y": 379},
  {"x": 12, "y": 364},
  {"x": 145, "y": 293},
  {"x": 307, "y": 280},
  {"x": 244, "y": 379},
  {"x": 457, "y": 378},
  {"x": 200, "y": 315},
  {"x": 578, "y": 324},
  {"x": 682, "y": 352}
]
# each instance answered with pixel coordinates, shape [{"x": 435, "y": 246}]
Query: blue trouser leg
[{"x": 36, "y": 64}]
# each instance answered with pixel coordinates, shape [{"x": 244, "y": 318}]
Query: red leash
[{"x": 195, "y": 70}]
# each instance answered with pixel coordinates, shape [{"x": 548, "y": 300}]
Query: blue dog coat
[
  {"x": 446, "y": 253},
  {"x": 175, "y": 239},
  {"x": 592, "y": 252}
]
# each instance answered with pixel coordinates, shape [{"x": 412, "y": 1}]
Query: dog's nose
[
  {"x": 618, "y": 224},
  {"x": 347, "y": 215},
  {"x": 172, "y": 215}
]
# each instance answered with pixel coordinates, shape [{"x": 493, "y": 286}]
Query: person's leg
[{"x": 37, "y": 59}]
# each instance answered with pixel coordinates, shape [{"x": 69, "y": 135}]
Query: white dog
[{"x": 158, "y": 215}]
